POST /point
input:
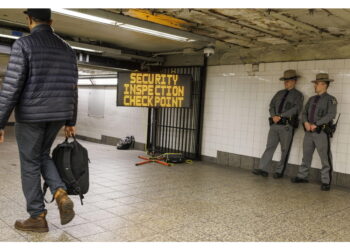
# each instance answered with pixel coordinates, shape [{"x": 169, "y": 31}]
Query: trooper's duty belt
[
  {"x": 282, "y": 121},
  {"x": 329, "y": 129},
  {"x": 286, "y": 121}
]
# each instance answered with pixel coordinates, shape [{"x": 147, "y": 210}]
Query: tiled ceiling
[
  {"x": 231, "y": 28},
  {"x": 252, "y": 28}
]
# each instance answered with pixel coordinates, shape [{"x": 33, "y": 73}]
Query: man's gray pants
[
  {"x": 321, "y": 142},
  {"x": 282, "y": 134},
  {"x": 34, "y": 143}
]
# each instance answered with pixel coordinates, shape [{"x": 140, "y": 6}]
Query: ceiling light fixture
[
  {"x": 122, "y": 25},
  {"x": 73, "y": 47},
  {"x": 155, "y": 33},
  {"x": 86, "y": 49},
  {"x": 85, "y": 16},
  {"x": 9, "y": 36}
]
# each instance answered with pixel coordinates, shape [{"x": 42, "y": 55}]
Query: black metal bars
[{"x": 178, "y": 130}]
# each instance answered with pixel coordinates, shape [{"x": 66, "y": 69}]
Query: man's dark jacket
[{"x": 41, "y": 80}]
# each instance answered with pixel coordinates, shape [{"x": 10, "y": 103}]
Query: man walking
[
  {"x": 41, "y": 84},
  {"x": 285, "y": 107},
  {"x": 318, "y": 115}
]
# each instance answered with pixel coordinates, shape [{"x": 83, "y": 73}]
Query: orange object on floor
[{"x": 151, "y": 159}]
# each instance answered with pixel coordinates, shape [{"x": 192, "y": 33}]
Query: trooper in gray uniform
[
  {"x": 284, "y": 110},
  {"x": 317, "y": 118}
]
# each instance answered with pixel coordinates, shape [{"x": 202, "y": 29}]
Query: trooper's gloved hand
[{"x": 2, "y": 135}]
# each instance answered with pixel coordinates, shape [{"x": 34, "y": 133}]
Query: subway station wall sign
[{"x": 137, "y": 89}]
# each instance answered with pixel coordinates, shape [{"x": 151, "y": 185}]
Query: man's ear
[
  {"x": 50, "y": 22},
  {"x": 30, "y": 20}
]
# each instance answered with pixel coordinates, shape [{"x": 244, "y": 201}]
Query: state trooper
[
  {"x": 317, "y": 118},
  {"x": 285, "y": 108}
]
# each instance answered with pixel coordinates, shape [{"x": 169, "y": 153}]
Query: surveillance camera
[{"x": 209, "y": 51}]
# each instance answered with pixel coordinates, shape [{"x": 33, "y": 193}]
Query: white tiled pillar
[{"x": 117, "y": 121}]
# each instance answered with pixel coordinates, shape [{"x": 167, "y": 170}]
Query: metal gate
[{"x": 178, "y": 130}]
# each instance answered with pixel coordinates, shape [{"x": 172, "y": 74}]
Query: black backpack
[{"x": 72, "y": 162}]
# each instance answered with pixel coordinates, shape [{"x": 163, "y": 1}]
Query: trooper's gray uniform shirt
[
  {"x": 289, "y": 107},
  {"x": 319, "y": 110}
]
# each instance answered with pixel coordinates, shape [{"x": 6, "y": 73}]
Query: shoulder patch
[{"x": 334, "y": 101}]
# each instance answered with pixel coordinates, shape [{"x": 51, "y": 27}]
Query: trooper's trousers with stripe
[
  {"x": 321, "y": 142},
  {"x": 278, "y": 134}
]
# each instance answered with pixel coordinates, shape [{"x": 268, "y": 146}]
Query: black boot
[
  {"x": 260, "y": 172},
  {"x": 277, "y": 175},
  {"x": 299, "y": 180},
  {"x": 325, "y": 187}
]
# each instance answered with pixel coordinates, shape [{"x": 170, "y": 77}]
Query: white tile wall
[
  {"x": 236, "y": 108},
  {"x": 117, "y": 121}
]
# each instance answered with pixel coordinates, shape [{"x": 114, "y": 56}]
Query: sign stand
[
  {"x": 152, "y": 158},
  {"x": 153, "y": 90}
]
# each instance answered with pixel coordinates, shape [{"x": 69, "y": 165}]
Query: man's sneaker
[
  {"x": 277, "y": 175},
  {"x": 299, "y": 180},
  {"x": 325, "y": 187},
  {"x": 260, "y": 172},
  {"x": 37, "y": 224},
  {"x": 65, "y": 206}
]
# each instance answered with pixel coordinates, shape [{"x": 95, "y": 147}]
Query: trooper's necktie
[
  {"x": 280, "y": 108},
  {"x": 313, "y": 109}
]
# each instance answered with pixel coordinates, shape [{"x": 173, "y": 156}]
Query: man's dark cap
[{"x": 41, "y": 14}]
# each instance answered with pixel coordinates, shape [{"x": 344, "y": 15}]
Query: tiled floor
[{"x": 197, "y": 202}]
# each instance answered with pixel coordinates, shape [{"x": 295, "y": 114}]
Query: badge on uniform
[{"x": 334, "y": 101}]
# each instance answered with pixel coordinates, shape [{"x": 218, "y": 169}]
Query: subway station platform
[{"x": 196, "y": 202}]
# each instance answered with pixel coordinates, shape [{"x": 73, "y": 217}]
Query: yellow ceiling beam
[{"x": 157, "y": 18}]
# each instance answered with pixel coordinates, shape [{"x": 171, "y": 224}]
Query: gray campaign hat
[
  {"x": 322, "y": 77},
  {"x": 289, "y": 74}
]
